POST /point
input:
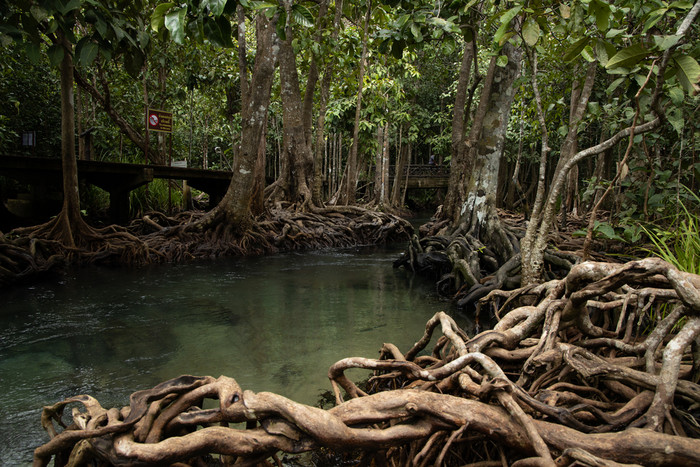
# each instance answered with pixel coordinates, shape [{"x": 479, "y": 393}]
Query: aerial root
[
  {"x": 466, "y": 269},
  {"x": 538, "y": 391}
]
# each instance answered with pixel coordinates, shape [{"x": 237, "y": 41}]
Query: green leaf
[
  {"x": 564, "y": 10},
  {"x": 397, "y": 49},
  {"x": 677, "y": 95},
  {"x": 614, "y": 33},
  {"x": 158, "y": 16},
  {"x": 510, "y": 14},
  {"x": 68, "y": 7},
  {"x": 601, "y": 52},
  {"x": 628, "y": 57},
  {"x": 449, "y": 45},
  {"x": 226, "y": 31},
  {"x": 666, "y": 42},
  {"x": 302, "y": 15},
  {"x": 607, "y": 231},
  {"x": 38, "y": 13},
  {"x": 587, "y": 54},
  {"x": 415, "y": 30},
  {"x": 32, "y": 51},
  {"x": 575, "y": 49},
  {"x": 675, "y": 117},
  {"x": 506, "y": 37},
  {"x": 505, "y": 23},
  {"x": 531, "y": 32},
  {"x": 87, "y": 52},
  {"x": 175, "y": 24},
  {"x": 101, "y": 28},
  {"x": 654, "y": 17},
  {"x": 502, "y": 61},
  {"x": 133, "y": 62},
  {"x": 680, "y": 5},
  {"x": 106, "y": 53},
  {"x": 55, "y": 53},
  {"x": 216, "y": 7},
  {"x": 215, "y": 35},
  {"x": 688, "y": 73},
  {"x": 602, "y": 15},
  {"x": 262, "y": 5}
]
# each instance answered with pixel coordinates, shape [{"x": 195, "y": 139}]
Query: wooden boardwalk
[{"x": 118, "y": 179}]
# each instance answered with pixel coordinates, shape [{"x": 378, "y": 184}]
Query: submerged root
[{"x": 585, "y": 373}]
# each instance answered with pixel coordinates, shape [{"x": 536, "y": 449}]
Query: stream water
[{"x": 273, "y": 323}]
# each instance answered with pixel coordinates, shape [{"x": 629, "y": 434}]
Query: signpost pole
[
  {"x": 148, "y": 132},
  {"x": 170, "y": 186}
]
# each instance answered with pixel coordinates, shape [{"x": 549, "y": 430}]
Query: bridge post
[{"x": 119, "y": 206}]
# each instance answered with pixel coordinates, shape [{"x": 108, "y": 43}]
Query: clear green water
[{"x": 274, "y": 324}]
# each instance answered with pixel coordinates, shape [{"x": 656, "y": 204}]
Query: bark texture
[{"x": 235, "y": 208}]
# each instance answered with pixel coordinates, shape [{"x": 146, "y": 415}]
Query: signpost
[{"x": 161, "y": 121}]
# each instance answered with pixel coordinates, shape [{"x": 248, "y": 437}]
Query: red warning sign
[{"x": 159, "y": 120}]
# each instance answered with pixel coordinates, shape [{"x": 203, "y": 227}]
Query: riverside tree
[
  {"x": 613, "y": 37},
  {"x": 76, "y": 31}
]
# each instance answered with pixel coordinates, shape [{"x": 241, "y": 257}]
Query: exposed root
[
  {"x": 467, "y": 270},
  {"x": 563, "y": 380},
  {"x": 278, "y": 230},
  {"x": 25, "y": 258},
  {"x": 160, "y": 238}
]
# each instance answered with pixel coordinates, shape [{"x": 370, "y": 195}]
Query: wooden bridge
[
  {"x": 425, "y": 176},
  {"x": 118, "y": 179}
]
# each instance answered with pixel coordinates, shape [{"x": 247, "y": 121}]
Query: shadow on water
[{"x": 274, "y": 323}]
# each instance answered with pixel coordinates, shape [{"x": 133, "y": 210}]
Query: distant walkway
[{"x": 119, "y": 179}]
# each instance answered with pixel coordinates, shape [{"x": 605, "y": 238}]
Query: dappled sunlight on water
[{"x": 274, "y": 324}]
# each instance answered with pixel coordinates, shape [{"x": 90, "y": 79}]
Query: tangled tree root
[
  {"x": 25, "y": 258},
  {"x": 160, "y": 238},
  {"x": 590, "y": 374},
  {"x": 467, "y": 270},
  {"x": 172, "y": 239}
]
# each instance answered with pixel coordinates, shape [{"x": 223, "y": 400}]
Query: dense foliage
[{"x": 182, "y": 57}]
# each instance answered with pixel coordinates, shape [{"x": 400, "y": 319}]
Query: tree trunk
[
  {"x": 321, "y": 121},
  {"x": 455, "y": 191},
  {"x": 257, "y": 204},
  {"x": 534, "y": 243},
  {"x": 296, "y": 179},
  {"x": 399, "y": 169},
  {"x": 71, "y": 195},
  {"x": 350, "y": 187},
  {"x": 478, "y": 214},
  {"x": 382, "y": 166},
  {"x": 235, "y": 207}
]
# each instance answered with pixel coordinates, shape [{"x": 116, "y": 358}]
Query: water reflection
[{"x": 274, "y": 324}]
